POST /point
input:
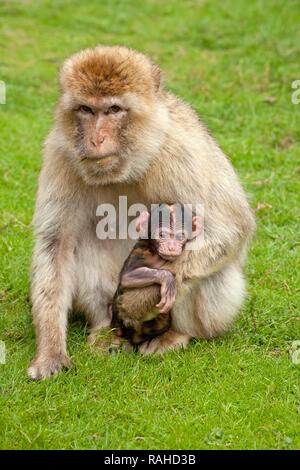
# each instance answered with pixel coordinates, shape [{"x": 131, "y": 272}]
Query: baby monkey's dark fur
[
  {"x": 141, "y": 307},
  {"x": 135, "y": 315}
]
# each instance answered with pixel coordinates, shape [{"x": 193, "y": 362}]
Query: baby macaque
[{"x": 146, "y": 291}]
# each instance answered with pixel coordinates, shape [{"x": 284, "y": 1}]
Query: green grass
[{"x": 234, "y": 61}]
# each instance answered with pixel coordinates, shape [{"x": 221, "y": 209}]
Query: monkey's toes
[
  {"x": 169, "y": 341},
  {"x": 46, "y": 367}
]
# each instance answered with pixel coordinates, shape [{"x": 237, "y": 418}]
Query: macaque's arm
[
  {"x": 224, "y": 241},
  {"x": 143, "y": 277}
]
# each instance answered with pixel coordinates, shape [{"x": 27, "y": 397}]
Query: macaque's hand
[{"x": 167, "y": 291}]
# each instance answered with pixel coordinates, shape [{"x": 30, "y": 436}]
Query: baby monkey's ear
[
  {"x": 141, "y": 224},
  {"x": 197, "y": 225}
]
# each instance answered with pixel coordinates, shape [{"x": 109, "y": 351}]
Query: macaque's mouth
[{"x": 106, "y": 160}]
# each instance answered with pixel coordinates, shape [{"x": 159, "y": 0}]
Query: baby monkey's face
[
  {"x": 170, "y": 242},
  {"x": 171, "y": 226},
  {"x": 168, "y": 228}
]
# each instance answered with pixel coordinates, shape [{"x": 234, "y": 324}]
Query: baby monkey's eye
[
  {"x": 180, "y": 236},
  {"x": 85, "y": 109},
  {"x": 114, "y": 109}
]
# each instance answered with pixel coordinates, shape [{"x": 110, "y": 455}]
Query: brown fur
[
  {"x": 136, "y": 311},
  {"x": 119, "y": 70},
  {"x": 165, "y": 154},
  {"x": 137, "y": 315},
  {"x": 140, "y": 301}
]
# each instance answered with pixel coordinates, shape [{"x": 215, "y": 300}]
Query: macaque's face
[
  {"x": 100, "y": 124},
  {"x": 98, "y": 130},
  {"x": 107, "y": 113}
]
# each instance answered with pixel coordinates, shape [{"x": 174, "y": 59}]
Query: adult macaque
[
  {"x": 117, "y": 131},
  {"x": 147, "y": 287}
]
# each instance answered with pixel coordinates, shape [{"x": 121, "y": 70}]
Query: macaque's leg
[
  {"x": 203, "y": 310},
  {"x": 98, "y": 318},
  {"x": 169, "y": 341},
  {"x": 102, "y": 335},
  {"x": 95, "y": 286},
  {"x": 206, "y": 309},
  {"x": 99, "y": 321},
  {"x": 142, "y": 277},
  {"x": 52, "y": 288}
]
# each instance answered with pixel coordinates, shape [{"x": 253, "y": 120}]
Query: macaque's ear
[
  {"x": 197, "y": 225},
  {"x": 141, "y": 224}
]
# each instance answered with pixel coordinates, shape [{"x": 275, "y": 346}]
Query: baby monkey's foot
[{"x": 169, "y": 341}]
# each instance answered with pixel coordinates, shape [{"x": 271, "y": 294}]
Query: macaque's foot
[
  {"x": 103, "y": 329},
  {"x": 45, "y": 366},
  {"x": 169, "y": 341},
  {"x": 105, "y": 340}
]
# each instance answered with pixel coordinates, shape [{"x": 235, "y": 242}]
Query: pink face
[
  {"x": 170, "y": 242},
  {"x": 168, "y": 237}
]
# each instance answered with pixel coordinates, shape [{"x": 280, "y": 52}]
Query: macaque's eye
[
  {"x": 85, "y": 109},
  {"x": 114, "y": 109}
]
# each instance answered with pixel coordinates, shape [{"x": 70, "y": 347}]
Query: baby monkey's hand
[
  {"x": 142, "y": 277},
  {"x": 167, "y": 291}
]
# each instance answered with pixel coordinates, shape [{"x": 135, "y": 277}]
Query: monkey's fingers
[
  {"x": 166, "y": 303},
  {"x": 164, "y": 307},
  {"x": 163, "y": 298},
  {"x": 167, "y": 307},
  {"x": 161, "y": 304}
]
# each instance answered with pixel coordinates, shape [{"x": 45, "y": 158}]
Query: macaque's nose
[
  {"x": 95, "y": 141},
  {"x": 173, "y": 247}
]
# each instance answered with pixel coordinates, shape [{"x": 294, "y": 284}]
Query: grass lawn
[{"x": 234, "y": 61}]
